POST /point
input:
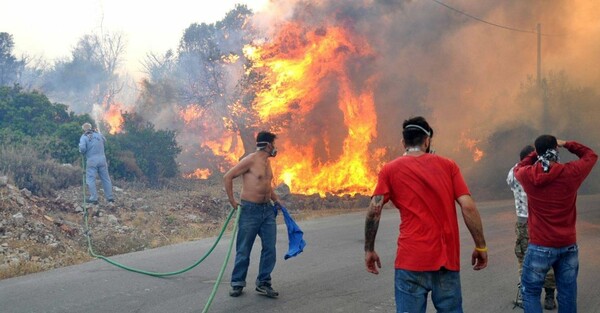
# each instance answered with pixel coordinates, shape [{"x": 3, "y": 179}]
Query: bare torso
[{"x": 256, "y": 181}]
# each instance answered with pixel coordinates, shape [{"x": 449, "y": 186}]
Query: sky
[{"x": 51, "y": 29}]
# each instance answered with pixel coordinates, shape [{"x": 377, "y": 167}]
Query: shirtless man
[{"x": 257, "y": 216}]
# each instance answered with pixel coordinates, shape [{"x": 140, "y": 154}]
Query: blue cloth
[
  {"x": 412, "y": 288},
  {"x": 255, "y": 219},
  {"x": 295, "y": 234},
  {"x": 538, "y": 261}
]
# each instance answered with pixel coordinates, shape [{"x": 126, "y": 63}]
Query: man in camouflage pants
[{"x": 523, "y": 236}]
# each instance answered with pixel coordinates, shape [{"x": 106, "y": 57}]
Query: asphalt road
[{"x": 329, "y": 276}]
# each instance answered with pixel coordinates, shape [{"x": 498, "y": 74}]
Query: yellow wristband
[{"x": 481, "y": 249}]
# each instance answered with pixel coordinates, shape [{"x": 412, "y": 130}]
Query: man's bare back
[{"x": 257, "y": 176}]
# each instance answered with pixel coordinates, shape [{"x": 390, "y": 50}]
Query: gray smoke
[
  {"x": 475, "y": 82},
  {"x": 471, "y": 80}
]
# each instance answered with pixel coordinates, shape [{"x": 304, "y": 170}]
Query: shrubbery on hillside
[
  {"x": 29, "y": 118},
  {"x": 40, "y": 176},
  {"x": 38, "y": 137},
  {"x": 140, "y": 149}
]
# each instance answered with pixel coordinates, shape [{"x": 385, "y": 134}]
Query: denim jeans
[
  {"x": 521, "y": 244},
  {"x": 413, "y": 287},
  {"x": 538, "y": 260},
  {"x": 255, "y": 219}
]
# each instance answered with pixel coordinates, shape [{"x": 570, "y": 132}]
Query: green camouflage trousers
[{"x": 521, "y": 248}]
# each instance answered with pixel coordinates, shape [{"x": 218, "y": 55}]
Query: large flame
[
  {"x": 114, "y": 118},
  {"x": 300, "y": 65}
]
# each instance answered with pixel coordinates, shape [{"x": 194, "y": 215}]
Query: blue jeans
[
  {"x": 413, "y": 287},
  {"x": 95, "y": 167},
  {"x": 538, "y": 260},
  {"x": 255, "y": 219}
]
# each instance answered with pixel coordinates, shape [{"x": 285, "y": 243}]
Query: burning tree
[
  {"x": 334, "y": 82},
  {"x": 201, "y": 90},
  {"x": 227, "y": 84},
  {"x": 326, "y": 116}
]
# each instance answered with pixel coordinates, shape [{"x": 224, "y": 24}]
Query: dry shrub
[
  {"x": 25, "y": 267},
  {"x": 20, "y": 269},
  {"x": 40, "y": 176},
  {"x": 128, "y": 167}
]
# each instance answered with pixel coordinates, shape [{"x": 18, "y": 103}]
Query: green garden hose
[
  {"x": 155, "y": 274},
  {"x": 218, "y": 282},
  {"x": 164, "y": 274}
]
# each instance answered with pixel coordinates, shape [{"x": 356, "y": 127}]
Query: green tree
[
  {"x": 30, "y": 113},
  {"x": 30, "y": 118},
  {"x": 10, "y": 66},
  {"x": 155, "y": 151}
]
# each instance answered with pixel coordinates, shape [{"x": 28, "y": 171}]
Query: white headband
[{"x": 419, "y": 127}]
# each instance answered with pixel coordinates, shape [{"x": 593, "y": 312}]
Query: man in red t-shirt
[
  {"x": 425, "y": 187},
  {"x": 551, "y": 189}
]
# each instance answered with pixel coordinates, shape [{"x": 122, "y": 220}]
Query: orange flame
[
  {"x": 191, "y": 113},
  {"x": 230, "y": 58},
  {"x": 471, "y": 144},
  {"x": 200, "y": 173},
  {"x": 214, "y": 137},
  {"x": 229, "y": 147},
  {"x": 300, "y": 64},
  {"x": 114, "y": 118}
]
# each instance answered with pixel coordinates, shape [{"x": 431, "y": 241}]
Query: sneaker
[
  {"x": 236, "y": 291},
  {"x": 267, "y": 290},
  {"x": 549, "y": 302},
  {"x": 88, "y": 201},
  {"x": 111, "y": 200}
]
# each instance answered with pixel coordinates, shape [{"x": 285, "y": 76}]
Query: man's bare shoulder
[
  {"x": 249, "y": 158},
  {"x": 242, "y": 167}
]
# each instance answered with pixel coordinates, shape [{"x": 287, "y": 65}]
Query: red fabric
[
  {"x": 551, "y": 196},
  {"x": 424, "y": 189}
]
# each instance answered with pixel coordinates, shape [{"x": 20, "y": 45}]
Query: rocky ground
[{"x": 38, "y": 233}]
